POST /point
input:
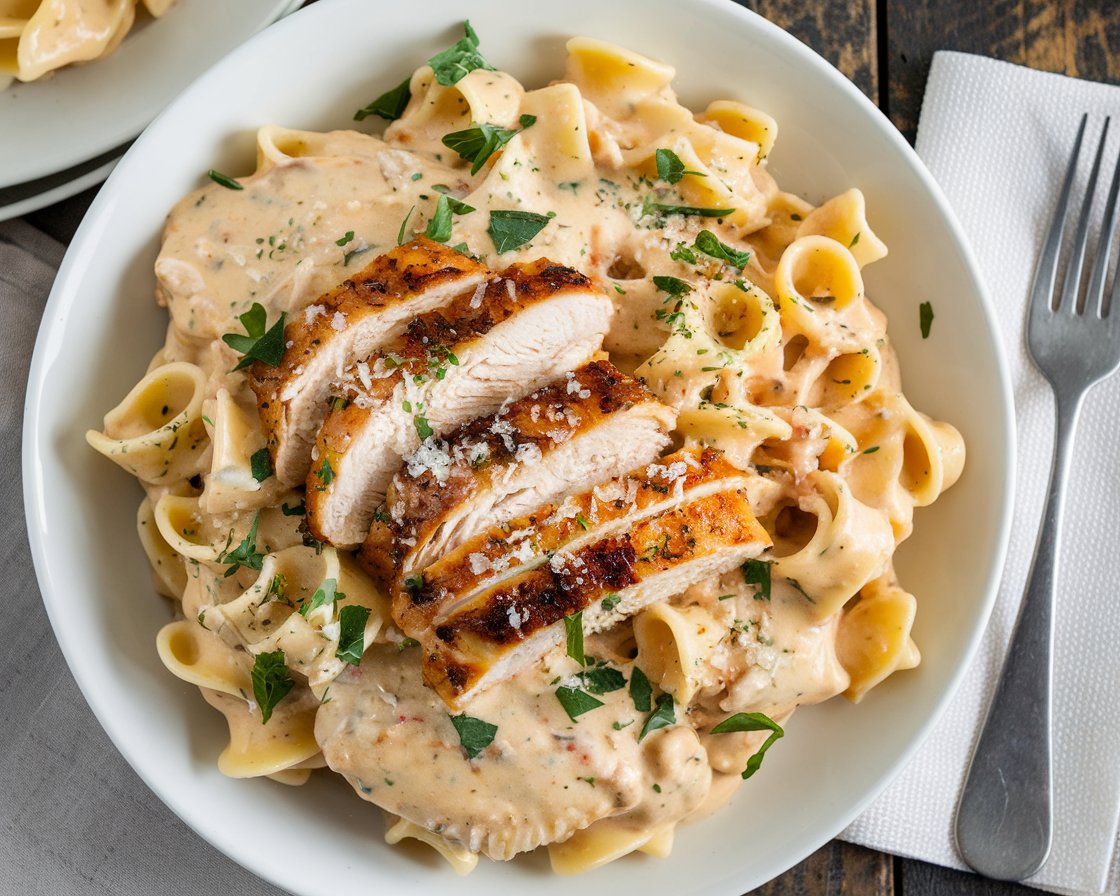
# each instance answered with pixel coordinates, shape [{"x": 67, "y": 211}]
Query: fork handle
[{"x": 1004, "y": 819}]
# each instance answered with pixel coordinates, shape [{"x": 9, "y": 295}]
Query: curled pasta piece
[
  {"x": 615, "y": 79},
  {"x": 712, "y": 329},
  {"x": 829, "y": 545},
  {"x": 61, "y": 32},
  {"x": 874, "y": 640},
  {"x": 844, "y": 219},
  {"x": 604, "y": 842},
  {"x": 256, "y": 750},
  {"x": 295, "y": 606},
  {"x": 737, "y": 430},
  {"x": 849, "y": 377},
  {"x": 816, "y": 277},
  {"x": 558, "y": 141},
  {"x": 167, "y": 564},
  {"x": 461, "y": 859},
  {"x": 156, "y": 433},
  {"x": 188, "y": 531},
  {"x": 673, "y": 647},
  {"x": 479, "y": 97},
  {"x": 815, "y": 441},
  {"x": 745, "y": 122},
  {"x": 236, "y": 438},
  {"x": 198, "y": 656}
]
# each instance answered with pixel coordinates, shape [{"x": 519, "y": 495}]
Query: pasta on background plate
[
  {"x": 40, "y": 36},
  {"x": 782, "y": 460}
]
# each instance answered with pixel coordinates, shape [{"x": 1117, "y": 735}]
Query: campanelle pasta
[
  {"x": 741, "y": 306},
  {"x": 39, "y": 36}
]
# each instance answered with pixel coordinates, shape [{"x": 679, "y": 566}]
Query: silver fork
[{"x": 1004, "y": 819}]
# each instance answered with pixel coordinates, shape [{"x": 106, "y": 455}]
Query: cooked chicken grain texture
[
  {"x": 513, "y": 334},
  {"x": 346, "y": 325},
  {"x": 586, "y": 427}
]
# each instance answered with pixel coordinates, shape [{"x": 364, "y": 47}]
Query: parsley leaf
[
  {"x": 672, "y": 285},
  {"x": 266, "y": 346},
  {"x": 513, "y": 229},
  {"x": 260, "y": 465},
  {"x": 573, "y": 628},
  {"x": 423, "y": 427},
  {"x": 661, "y": 717},
  {"x": 439, "y": 225},
  {"x": 670, "y": 168},
  {"x": 459, "y": 59},
  {"x": 641, "y": 692},
  {"x": 324, "y": 595},
  {"x": 325, "y": 474},
  {"x": 345, "y": 238},
  {"x": 480, "y": 141},
  {"x": 224, "y": 179},
  {"x": 751, "y": 721},
  {"x": 298, "y": 510},
  {"x": 651, "y": 206},
  {"x": 602, "y": 680},
  {"x": 609, "y": 602},
  {"x": 576, "y": 702},
  {"x": 404, "y": 224},
  {"x": 925, "y": 318},
  {"x": 271, "y": 681},
  {"x": 757, "y": 572},
  {"x": 352, "y": 633},
  {"x": 475, "y": 735},
  {"x": 390, "y": 105},
  {"x": 708, "y": 243},
  {"x": 246, "y": 553}
]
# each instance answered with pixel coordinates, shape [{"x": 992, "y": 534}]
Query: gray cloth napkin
[{"x": 74, "y": 816}]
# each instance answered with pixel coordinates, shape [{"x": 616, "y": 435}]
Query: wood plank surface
[
  {"x": 836, "y": 869},
  {"x": 1074, "y": 37}
]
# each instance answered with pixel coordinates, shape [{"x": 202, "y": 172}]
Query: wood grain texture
[
  {"x": 843, "y": 31},
  {"x": 836, "y": 869},
  {"x": 1074, "y": 37},
  {"x": 920, "y": 879}
]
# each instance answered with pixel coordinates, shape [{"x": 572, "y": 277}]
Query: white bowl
[{"x": 313, "y": 70}]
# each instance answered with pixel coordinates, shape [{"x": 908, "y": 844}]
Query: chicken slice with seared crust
[
  {"x": 346, "y": 325},
  {"x": 504, "y": 628},
  {"x": 583, "y": 429},
  {"x": 527, "y": 326},
  {"x": 426, "y": 598}
]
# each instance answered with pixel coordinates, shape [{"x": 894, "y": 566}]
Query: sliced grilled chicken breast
[
  {"x": 523, "y": 329},
  {"x": 510, "y": 625},
  {"x": 346, "y": 325},
  {"x": 429, "y": 596},
  {"x": 586, "y": 428}
]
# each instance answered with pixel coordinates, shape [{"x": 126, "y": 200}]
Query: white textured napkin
[{"x": 997, "y": 138}]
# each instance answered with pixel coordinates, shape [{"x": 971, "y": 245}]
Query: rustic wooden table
[{"x": 885, "y": 47}]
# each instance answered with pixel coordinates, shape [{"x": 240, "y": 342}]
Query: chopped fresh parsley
[
  {"x": 602, "y": 679},
  {"x": 259, "y": 344},
  {"x": 414, "y": 584},
  {"x": 855, "y": 239},
  {"x": 260, "y": 465},
  {"x": 390, "y": 105},
  {"x": 324, "y": 595},
  {"x": 271, "y": 681},
  {"x": 609, "y": 602},
  {"x": 224, "y": 179},
  {"x": 670, "y": 168},
  {"x": 641, "y": 691},
  {"x": 246, "y": 553},
  {"x": 708, "y": 243},
  {"x": 512, "y": 229},
  {"x": 573, "y": 629},
  {"x": 871, "y": 450},
  {"x": 683, "y": 253},
  {"x": 480, "y": 141},
  {"x": 352, "y": 633},
  {"x": 576, "y": 702},
  {"x": 439, "y": 225},
  {"x": 345, "y": 238},
  {"x": 672, "y": 285},
  {"x": 751, "y": 721},
  {"x": 423, "y": 427},
  {"x": 651, "y": 206},
  {"x": 404, "y": 224},
  {"x": 757, "y": 573},
  {"x": 325, "y": 474},
  {"x": 663, "y": 715},
  {"x": 298, "y": 510},
  {"x": 460, "y": 59},
  {"x": 475, "y": 735},
  {"x": 925, "y": 318}
]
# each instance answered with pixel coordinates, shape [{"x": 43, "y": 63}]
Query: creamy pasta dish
[
  {"x": 39, "y": 36},
  {"x": 526, "y": 465}
]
